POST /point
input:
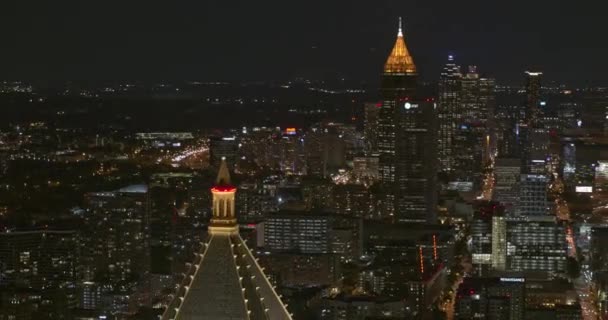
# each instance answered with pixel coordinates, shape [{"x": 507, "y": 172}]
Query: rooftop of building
[
  {"x": 400, "y": 61},
  {"x": 225, "y": 282}
]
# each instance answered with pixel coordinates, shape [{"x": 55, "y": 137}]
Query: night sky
[{"x": 264, "y": 40}]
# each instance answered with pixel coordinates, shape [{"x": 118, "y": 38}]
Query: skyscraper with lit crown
[
  {"x": 225, "y": 281},
  {"x": 398, "y": 83},
  {"x": 406, "y": 130}
]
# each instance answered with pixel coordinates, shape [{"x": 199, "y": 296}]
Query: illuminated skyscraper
[
  {"x": 470, "y": 94},
  {"x": 225, "y": 281},
  {"x": 536, "y": 243},
  {"x": 471, "y": 135},
  {"x": 506, "y": 190},
  {"x": 487, "y": 99},
  {"x": 398, "y": 83},
  {"x": 406, "y": 140},
  {"x": 531, "y": 120},
  {"x": 449, "y": 112},
  {"x": 532, "y": 107}
]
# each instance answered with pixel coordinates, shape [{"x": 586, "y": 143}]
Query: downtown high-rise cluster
[{"x": 465, "y": 198}]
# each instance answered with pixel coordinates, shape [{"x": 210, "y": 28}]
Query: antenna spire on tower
[{"x": 400, "y": 60}]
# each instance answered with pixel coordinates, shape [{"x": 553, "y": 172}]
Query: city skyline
[{"x": 448, "y": 196}]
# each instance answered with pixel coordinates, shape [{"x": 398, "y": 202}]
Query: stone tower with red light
[
  {"x": 224, "y": 218},
  {"x": 225, "y": 281}
]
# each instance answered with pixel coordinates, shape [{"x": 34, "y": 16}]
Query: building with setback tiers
[{"x": 225, "y": 281}]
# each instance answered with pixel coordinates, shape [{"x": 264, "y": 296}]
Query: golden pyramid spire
[{"x": 400, "y": 60}]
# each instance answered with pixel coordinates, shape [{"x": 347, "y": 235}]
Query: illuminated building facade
[
  {"x": 406, "y": 140},
  {"x": 353, "y": 200},
  {"x": 485, "y": 218},
  {"x": 225, "y": 281},
  {"x": 465, "y": 105},
  {"x": 536, "y": 243},
  {"x": 38, "y": 273},
  {"x": 470, "y": 153},
  {"x": 298, "y": 232},
  {"x": 533, "y": 195},
  {"x": 398, "y": 83},
  {"x": 471, "y": 104},
  {"x": 533, "y": 111},
  {"x": 116, "y": 238},
  {"x": 487, "y": 100},
  {"x": 499, "y": 243},
  {"x": 507, "y": 173},
  {"x": 366, "y": 169},
  {"x": 386, "y": 124},
  {"x": 449, "y": 115},
  {"x": 115, "y": 244},
  {"x": 491, "y": 298}
]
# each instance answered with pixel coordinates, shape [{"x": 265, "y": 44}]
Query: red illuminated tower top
[{"x": 224, "y": 218}]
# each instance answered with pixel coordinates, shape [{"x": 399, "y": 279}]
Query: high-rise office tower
[
  {"x": 477, "y": 96},
  {"x": 415, "y": 189},
  {"x": 491, "y": 298},
  {"x": 533, "y": 195},
  {"x": 472, "y": 135},
  {"x": 481, "y": 240},
  {"x": 536, "y": 243},
  {"x": 487, "y": 99},
  {"x": 532, "y": 116},
  {"x": 325, "y": 151},
  {"x": 370, "y": 127},
  {"x": 297, "y": 231},
  {"x": 449, "y": 114},
  {"x": 470, "y": 153},
  {"x": 532, "y": 107},
  {"x": 406, "y": 141},
  {"x": 507, "y": 173},
  {"x": 222, "y": 148},
  {"x": 116, "y": 234},
  {"x": 38, "y": 273},
  {"x": 470, "y": 94},
  {"x": 499, "y": 243},
  {"x": 39, "y": 259},
  {"x": 528, "y": 243},
  {"x": 487, "y": 102},
  {"x": 538, "y": 150},
  {"x": 485, "y": 218},
  {"x": 398, "y": 83}
]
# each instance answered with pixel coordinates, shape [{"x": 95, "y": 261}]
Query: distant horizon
[
  {"x": 48, "y": 84},
  {"x": 278, "y": 40}
]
